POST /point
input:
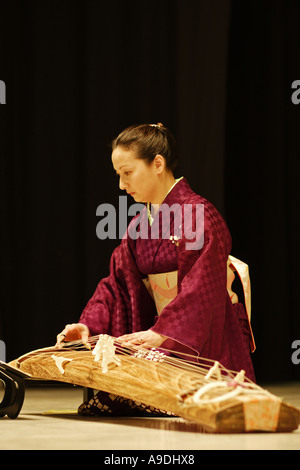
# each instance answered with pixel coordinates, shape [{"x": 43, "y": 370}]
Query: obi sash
[{"x": 163, "y": 288}]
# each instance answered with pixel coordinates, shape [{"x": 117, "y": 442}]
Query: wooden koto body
[{"x": 171, "y": 385}]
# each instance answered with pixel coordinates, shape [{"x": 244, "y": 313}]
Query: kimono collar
[
  {"x": 150, "y": 218},
  {"x": 176, "y": 194}
]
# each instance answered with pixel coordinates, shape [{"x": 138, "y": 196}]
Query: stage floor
[{"x": 48, "y": 421}]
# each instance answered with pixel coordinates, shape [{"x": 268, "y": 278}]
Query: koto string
[
  {"x": 187, "y": 364},
  {"x": 83, "y": 350},
  {"x": 120, "y": 349}
]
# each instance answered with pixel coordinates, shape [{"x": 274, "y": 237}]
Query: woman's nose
[{"x": 122, "y": 183}]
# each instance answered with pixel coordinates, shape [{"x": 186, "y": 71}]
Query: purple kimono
[{"x": 201, "y": 319}]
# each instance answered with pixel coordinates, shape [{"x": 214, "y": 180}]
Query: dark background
[{"x": 218, "y": 73}]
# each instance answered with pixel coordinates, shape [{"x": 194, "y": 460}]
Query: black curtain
[
  {"x": 262, "y": 171},
  {"x": 76, "y": 74}
]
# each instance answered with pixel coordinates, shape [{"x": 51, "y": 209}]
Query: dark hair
[{"x": 149, "y": 140}]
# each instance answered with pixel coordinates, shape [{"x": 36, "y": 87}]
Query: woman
[{"x": 185, "y": 249}]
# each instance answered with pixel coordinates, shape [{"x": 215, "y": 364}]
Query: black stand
[{"x": 14, "y": 390}]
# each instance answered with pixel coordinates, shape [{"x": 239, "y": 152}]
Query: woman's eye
[{"x": 127, "y": 173}]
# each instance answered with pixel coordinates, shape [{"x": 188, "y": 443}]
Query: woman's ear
[{"x": 160, "y": 163}]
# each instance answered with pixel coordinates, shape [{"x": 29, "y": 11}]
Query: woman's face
[{"x": 137, "y": 177}]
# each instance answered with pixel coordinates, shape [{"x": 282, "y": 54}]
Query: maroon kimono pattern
[{"x": 200, "y": 320}]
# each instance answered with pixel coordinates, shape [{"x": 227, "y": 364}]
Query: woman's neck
[{"x": 165, "y": 188}]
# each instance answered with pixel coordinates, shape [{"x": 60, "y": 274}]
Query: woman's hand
[
  {"x": 73, "y": 332},
  {"x": 146, "y": 338}
]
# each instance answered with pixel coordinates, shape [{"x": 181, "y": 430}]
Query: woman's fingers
[
  {"x": 72, "y": 332},
  {"x": 146, "y": 338},
  {"x": 60, "y": 338}
]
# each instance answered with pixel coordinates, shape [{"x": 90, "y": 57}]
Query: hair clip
[{"x": 156, "y": 125}]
